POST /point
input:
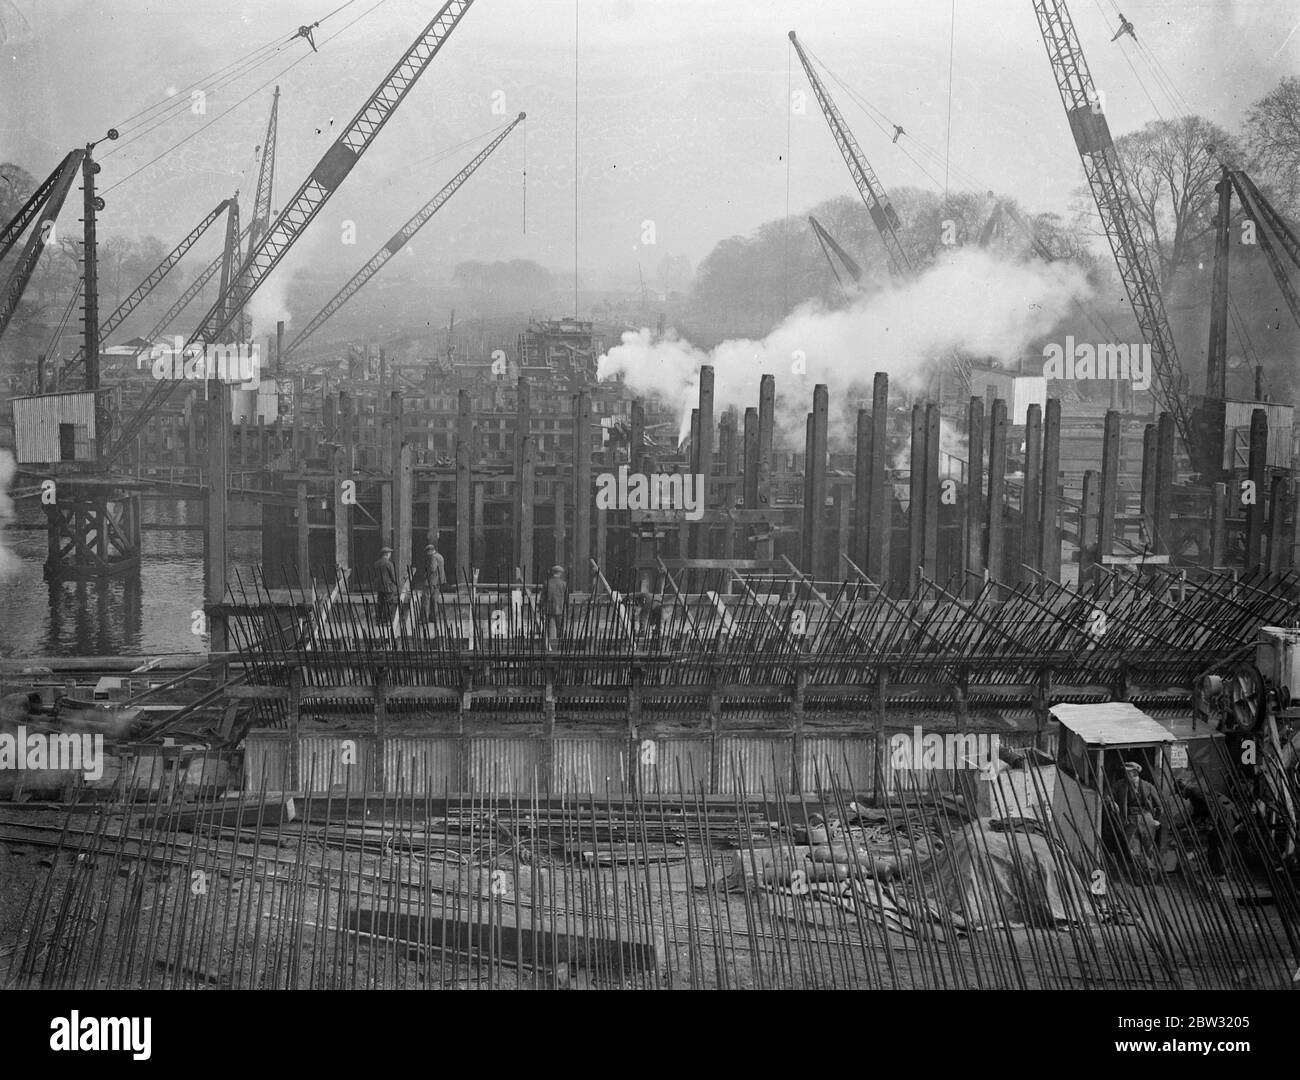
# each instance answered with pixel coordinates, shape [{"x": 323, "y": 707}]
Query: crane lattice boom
[
  {"x": 400, "y": 238},
  {"x": 1101, "y": 166}
]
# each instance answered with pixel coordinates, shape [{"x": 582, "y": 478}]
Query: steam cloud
[{"x": 972, "y": 303}]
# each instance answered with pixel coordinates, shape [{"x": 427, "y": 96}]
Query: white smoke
[
  {"x": 972, "y": 302},
  {"x": 270, "y": 303},
  {"x": 8, "y": 466}
]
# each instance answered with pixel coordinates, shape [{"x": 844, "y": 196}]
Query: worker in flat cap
[
  {"x": 555, "y": 597},
  {"x": 435, "y": 576},
  {"x": 1141, "y": 813},
  {"x": 384, "y": 576}
]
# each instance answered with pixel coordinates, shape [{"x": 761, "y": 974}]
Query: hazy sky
[{"x": 683, "y": 108}]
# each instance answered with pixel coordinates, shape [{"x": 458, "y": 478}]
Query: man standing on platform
[
  {"x": 435, "y": 575},
  {"x": 554, "y": 597},
  {"x": 384, "y": 574}
]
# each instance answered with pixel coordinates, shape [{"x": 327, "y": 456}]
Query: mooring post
[
  {"x": 636, "y": 437},
  {"x": 218, "y": 419},
  {"x": 1291, "y": 535},
  {"x": 1049, "y": 559},
  {"x": 1163, "y": 497},
  {"x": 815, "y": 468},
  {"x": 304, "y": 536},
  {"x": 996, "y": 509},
  {"x": 526, "y": 489},
  {"x": 766, "y": 429},
  {"x": 431, "y": 531},
  {"x": 381, "y": 718},
  {"x": 796, "y": 729},
  {"x": 343, "y": 509},
  {"x": 295, "y": 736},
  {"x": 1088, "y": 528},
  {"x": 715, "y": 735},
  {"x": 704, "y": 459},
  {"x": 559, "y": 502},
  {"x": 1148, "y": 484},
  {"x": 580, "y": 579},
  {"x": 546, "y": 766},
  {"x": 1031, "y": 496},
  {"x": 1278, "y": 548},
  {"x": 464, "y": 490},
  {"x": 973, "y": 540},
  {"x": 1218, "y": 525},
  {"x": 1253, "y": 496},
  {"x": 634, "y": 730},
  {"x": 1109, "y": 486},
  {"x": 916, "y": 501},
  {"x": 930, "y": 548},
  {"x": 861, "y": 487},
  {"x": 880, "y": 782},
  {"x": 402, "y": 518},
  {"x": 751, "y": 458},
  {"x": 880, "y": 493}
]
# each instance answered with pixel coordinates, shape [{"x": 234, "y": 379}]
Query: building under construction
[{"x": 663, "y": 712}]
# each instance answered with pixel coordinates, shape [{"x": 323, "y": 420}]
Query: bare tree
[
  {"x": 1172, "y": 167},
  {"x": 1273, "y": 139}
]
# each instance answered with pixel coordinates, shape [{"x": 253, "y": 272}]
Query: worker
[
  {"x": 1125, "y": 27},
  {"x": 554, "y": 597},
  {"x": 1140, "y": 807},
  {"x": 435, "y": 575},
  {"x": 1206, "y": 822},
  {"x": 650, "y": 612},
  {"x": 384, "y": 574},
  {"x": 898, "y": 130}
]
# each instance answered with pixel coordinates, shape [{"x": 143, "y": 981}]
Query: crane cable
[
  {"x": 1097, "y": 319},
  {"x": 176, "y": 102},
  {"x": 241, "y": 101}
]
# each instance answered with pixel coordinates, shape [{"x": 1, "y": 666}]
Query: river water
[{"x": 145, "y": 614}]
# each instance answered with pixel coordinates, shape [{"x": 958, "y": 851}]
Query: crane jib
[{"x": 333, "y": 168}]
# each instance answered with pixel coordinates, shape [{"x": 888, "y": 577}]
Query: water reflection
[{"x": 145, "y": 613}]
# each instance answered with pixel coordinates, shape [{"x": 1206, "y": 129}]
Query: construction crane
[
  {"x": 40, "y": 211},
  {"x": 829, "y": 244},
  {"x": 1105, "y": 174},
  {"x": 261, "y": 220},
  {"x": 882, "y": 212},
  {"x": 151, "y": 281},
  {"x": 191, "y": 291},
  {"x": 400, "y": 238},
  {"x": 307, "y": 201},
  {"x": 872, "y": 192}
]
